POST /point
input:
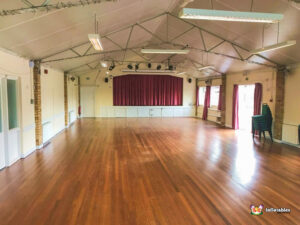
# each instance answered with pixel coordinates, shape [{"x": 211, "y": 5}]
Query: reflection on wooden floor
[{"x": 151, "y": 172}]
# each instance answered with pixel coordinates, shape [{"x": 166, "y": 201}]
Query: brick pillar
[
  {"x": 66, "y": 99},
  {"x": 223, "y": 93},
  {"x": 79, "y": 96},
  {"x": 37, "y": 104},
  {"x": 279, "y": 105}
]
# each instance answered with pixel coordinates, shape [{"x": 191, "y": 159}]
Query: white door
[
  {"x": 87, "y": 101},
  {"x": 2, "y": 152},
  {"x": 11, "y": 120},
  {"x": 246, "y": 106}
]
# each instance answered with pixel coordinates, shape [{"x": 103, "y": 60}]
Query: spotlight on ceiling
[
  {"x": 129, "y": 66},
  {"x": 136, "y": 66},
  {"x": 158, "y": 67},
  {"x": 112, "y": 66},
  {"x": 149, "y": 65},
  {"x": 103, "y": 64}
]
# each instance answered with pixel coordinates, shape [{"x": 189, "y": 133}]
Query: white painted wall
[
  {"x": 87, "y": 95},
  {"x": 73, "y": 99},
  {"x": 52, "y": 94},
  {"x": 291, "y": 118},
  {"x": 13, "y": 65}
]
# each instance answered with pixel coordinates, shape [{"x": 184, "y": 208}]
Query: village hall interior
[{"x": 149, "y": 112}]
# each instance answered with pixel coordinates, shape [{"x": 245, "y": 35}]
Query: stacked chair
[{"x": 262, "y": 123}]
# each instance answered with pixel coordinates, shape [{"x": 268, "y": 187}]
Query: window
[
  {"x": 12, "y": 104},
  {"x": 201, "y": 96},
  {"x": 214, "y": 96}
]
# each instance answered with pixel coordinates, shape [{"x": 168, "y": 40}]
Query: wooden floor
[{"x": 151, "y": 172}]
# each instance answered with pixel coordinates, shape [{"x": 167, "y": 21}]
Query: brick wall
[
  {"x": 279, "y": 105},
  {"x": 37, "y": 103}
]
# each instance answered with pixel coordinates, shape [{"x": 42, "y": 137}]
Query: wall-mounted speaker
[
  {"x": 208, "y": 82},
  {"x": 106, "y": 79}
]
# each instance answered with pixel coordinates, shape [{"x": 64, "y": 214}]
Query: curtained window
[
  {"x": 201, "y": 95},
  {"x": 214, "y": 96},
  {"x": 147, "y": 90}
]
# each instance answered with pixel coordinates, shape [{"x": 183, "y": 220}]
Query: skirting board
[{"x": 24, "y": 155}]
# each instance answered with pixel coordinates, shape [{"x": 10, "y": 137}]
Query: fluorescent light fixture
[
  {"x": 103, "y": 64},
  {"x": 206, "y": 68},
  {"x": 165, "y": 51},
  {"x": 96, "y": 42},
  {"x": 207, "y": 14},
  {"x": 274, "y": 47}
]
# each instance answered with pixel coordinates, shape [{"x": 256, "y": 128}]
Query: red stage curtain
[
  {"x": 235, "y": 107},
  {"x": 206, "y": 103},
  {"x": 147, "y": 90},
  {"x": 220, "y": 104},
  {"x": 257, "y": 99}
]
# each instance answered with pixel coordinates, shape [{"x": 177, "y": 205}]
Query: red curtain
[
  {"x": 235, "y": 107},
  {"x": 206, "y": 103},
  {"x": 220, "y": 104},
  {"x": 147, "y": 90},
  {"x": 257, "y": 99}
]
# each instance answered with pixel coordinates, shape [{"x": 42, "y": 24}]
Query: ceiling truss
[
  {"x": 135, "y": 50},
  {"x": 46, "y": 7}
]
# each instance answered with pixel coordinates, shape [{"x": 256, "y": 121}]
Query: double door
[{"x": 9, "y": 121}]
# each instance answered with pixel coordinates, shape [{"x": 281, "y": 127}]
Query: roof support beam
[
  {"x": 224, "y": 55},
  {"x": 217, "y": 45},
  {"x": 76, "y": 57},
  {"x": 108, "y": 34},
  {"x": 217, "y": 36},
  {"x": 75, "y": 51},
  {"x": 183, "y": 33},
  {"x": 148, "y": 31},
  {"x": 203, "y": 41},
  {"x": 127, "y": 42},
  {"x": 45, "y": 7},
  {"x": 237, "y": 52},
  {"x": 88, "y": 49}
]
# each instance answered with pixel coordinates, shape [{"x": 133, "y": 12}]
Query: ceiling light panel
[
  {"x": 274, "y": 47},
  {"x": 96, "y": 42},
  {"x": 221, "y": 15},
  {"x": 165, "y": 51}
]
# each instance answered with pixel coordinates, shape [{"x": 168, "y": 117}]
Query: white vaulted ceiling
[{"x": 42, "y": 34}]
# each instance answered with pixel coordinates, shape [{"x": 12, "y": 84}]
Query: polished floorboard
[{"x": 171, "y": 171}]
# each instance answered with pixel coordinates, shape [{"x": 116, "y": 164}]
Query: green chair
[{"x": 262, "y": 123}]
